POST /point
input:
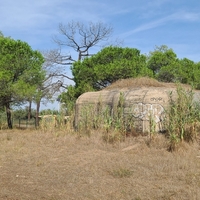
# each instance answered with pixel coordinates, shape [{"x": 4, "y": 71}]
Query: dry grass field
[{"x": 38, "y": 165}]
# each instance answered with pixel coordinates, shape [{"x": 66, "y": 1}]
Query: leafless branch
[
  {"x": 78, "y": 36},
  {"x": 81, "y": 37}
]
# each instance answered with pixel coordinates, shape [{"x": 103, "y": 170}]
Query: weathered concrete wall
[{"x": 143, "y": 104}]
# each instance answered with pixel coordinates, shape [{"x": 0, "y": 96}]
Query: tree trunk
[
  {"x": 37, "y": 114},
  {"x": 79, "y": 56},
  {"x": 8, "y": 113},
  {"x": 29, "y": 110}
]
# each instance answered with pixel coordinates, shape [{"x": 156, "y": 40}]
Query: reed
[{"x": 182, "y": 118}]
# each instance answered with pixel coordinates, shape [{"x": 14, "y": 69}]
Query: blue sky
[{"x": 140, "y": 24}]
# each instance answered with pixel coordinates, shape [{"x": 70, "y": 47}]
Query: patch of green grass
[{"x": 121, "y": 173}]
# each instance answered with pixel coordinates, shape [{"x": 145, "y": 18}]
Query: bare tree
[
  {"x": 79, "y": 37},
  {"x": 46, "y": 90}
]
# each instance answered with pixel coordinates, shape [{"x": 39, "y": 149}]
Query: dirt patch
[{"x": 60, "y": 166}]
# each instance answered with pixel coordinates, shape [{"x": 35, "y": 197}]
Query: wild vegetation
[
  {"x": 106, "y": 158},
  {"x": 30, "y": 76},
  {"x": 181, "y": 122},
  {"x": 61, "y": 164}
]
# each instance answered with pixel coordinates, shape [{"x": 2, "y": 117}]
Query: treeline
[{"x": 113, "y": 63}]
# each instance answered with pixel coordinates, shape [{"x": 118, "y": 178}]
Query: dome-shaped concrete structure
[{"x": 144, "y": 100}]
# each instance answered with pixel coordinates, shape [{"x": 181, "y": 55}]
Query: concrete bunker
[{"x": 144, "y": 101}]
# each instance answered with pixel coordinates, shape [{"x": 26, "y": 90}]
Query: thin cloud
[
  {"x": 36, "y": 21},
  {"x": 23, "y": 15},
  {"x": 179, "y": 16}
]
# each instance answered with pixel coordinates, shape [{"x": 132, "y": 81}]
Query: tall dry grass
[
  {"x": 141, "y": 82},
  {"x": 183, "y": 118},
  {"x": 41, "y": 165}
]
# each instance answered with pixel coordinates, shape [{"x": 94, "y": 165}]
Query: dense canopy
[{"x": 20, "y": 72}]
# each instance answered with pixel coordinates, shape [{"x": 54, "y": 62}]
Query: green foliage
[
  {"x": 20, "y": 72},
  {"x": 20, "y": 114},
  {"x": 168, "y": 68},
  {"x": 182, "y": 117},
  {"x": 108, "y": 66},
  {"x": 69, "y": 98},
  {"x": 189, "y": 73},
  {"x": 49, "y": 112},
  {"x": 161, "y": 57},
  {"x": 182, "y": 71},
  {"x": 20, "y": 69}
]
